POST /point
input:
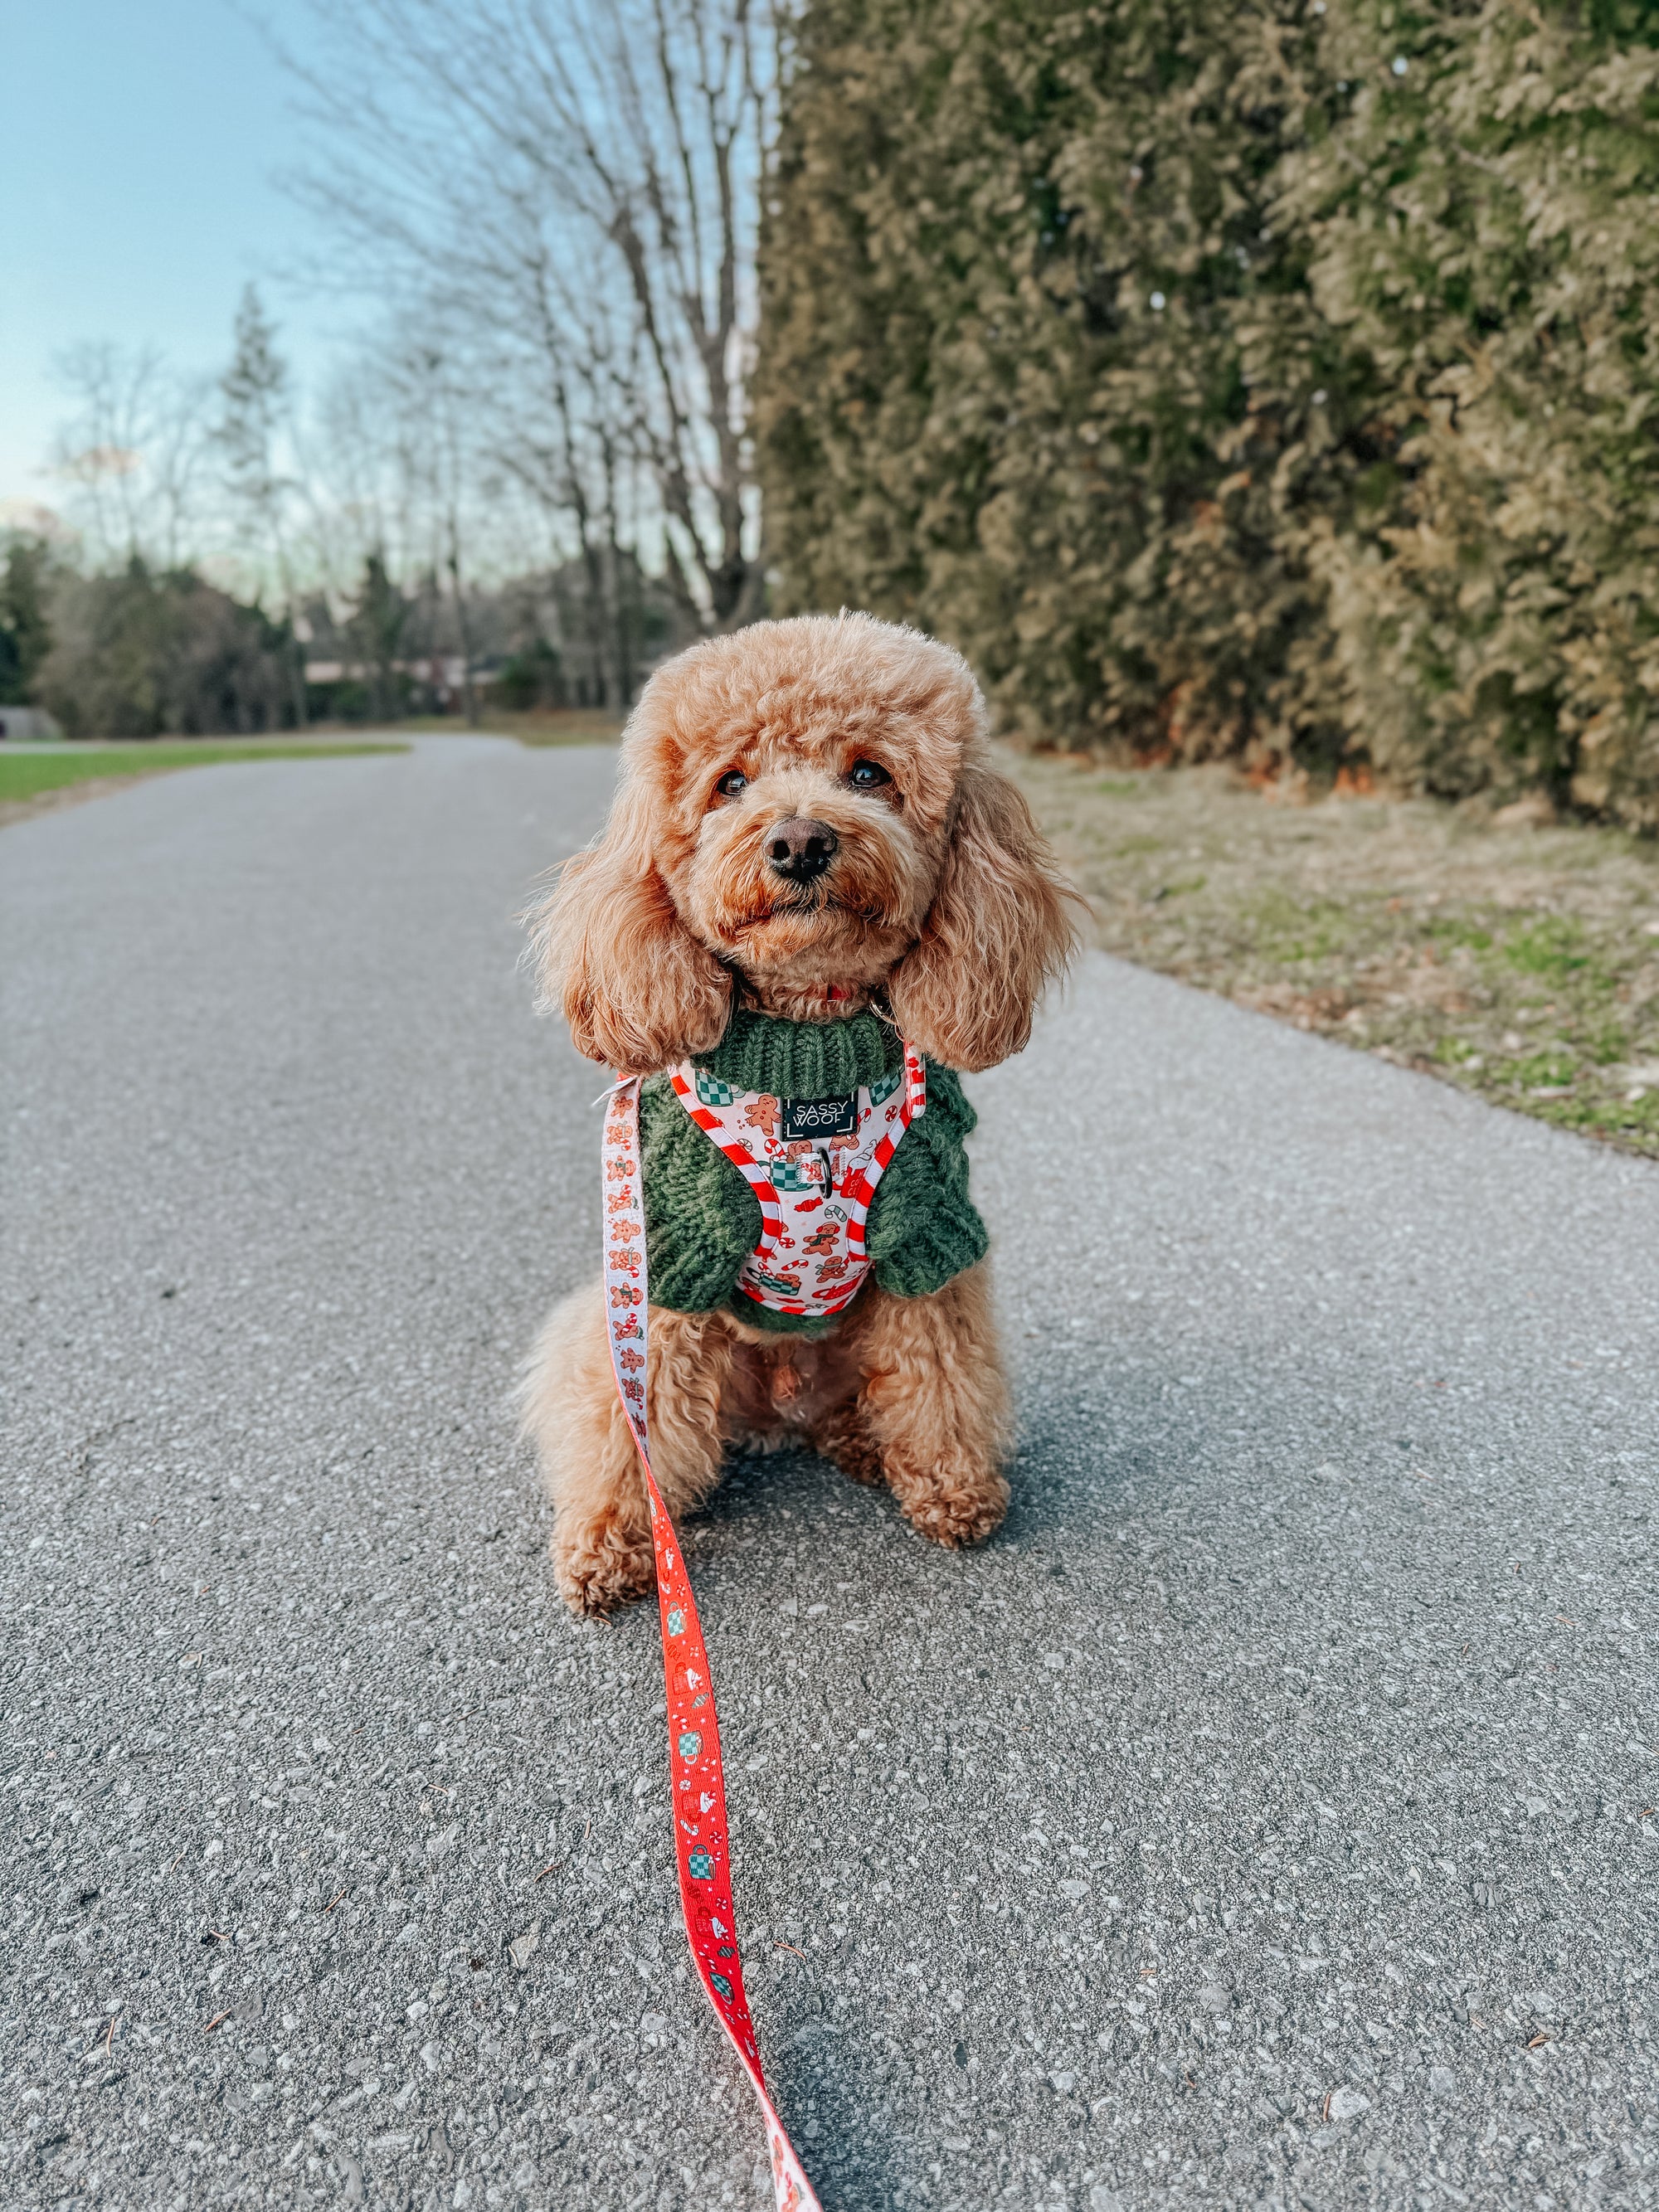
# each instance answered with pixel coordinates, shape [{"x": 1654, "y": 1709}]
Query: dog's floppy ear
[
  {"x": 999, "y": 930},
  {"x": 635, "y": 987}
]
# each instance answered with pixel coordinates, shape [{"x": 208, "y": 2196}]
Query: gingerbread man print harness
[{"x": 814, "y": 1164}]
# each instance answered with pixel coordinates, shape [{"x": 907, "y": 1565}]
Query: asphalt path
[{"x": 1264, "y": 1818}]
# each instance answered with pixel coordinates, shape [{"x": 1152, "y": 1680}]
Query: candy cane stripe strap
[
  {"x": 701, "y": 1848},
  {"x": 814, "y": 1197}
]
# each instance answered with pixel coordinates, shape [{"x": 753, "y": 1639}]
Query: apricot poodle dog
[{"x": 814, "y": 888}]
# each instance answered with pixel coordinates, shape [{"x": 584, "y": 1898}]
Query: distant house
[{"x": 434, "y": 682}]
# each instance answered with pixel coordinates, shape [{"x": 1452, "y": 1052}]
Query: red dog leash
[{"x": 701, "y": 1850}]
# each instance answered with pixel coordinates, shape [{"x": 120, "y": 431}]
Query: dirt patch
[{"x": 1509, "y": 955}]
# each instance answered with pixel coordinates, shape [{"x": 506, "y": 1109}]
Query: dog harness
[{"x": 814, "y": 1164}]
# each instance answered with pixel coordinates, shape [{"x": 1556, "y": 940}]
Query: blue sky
[{"x": 137, "y": 195}]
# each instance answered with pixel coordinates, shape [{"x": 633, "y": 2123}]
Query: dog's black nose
[{"x": 801, "y": 849}]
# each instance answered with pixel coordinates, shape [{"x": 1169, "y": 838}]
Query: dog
[{"x": 811, "y": 856}]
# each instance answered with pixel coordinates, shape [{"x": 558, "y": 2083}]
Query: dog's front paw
[
  {"x": 602, "y": 1563},
  {"x": 951, "y": 1503}
]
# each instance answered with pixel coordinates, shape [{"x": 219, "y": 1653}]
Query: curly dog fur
[{"x": 941, "y": 904}]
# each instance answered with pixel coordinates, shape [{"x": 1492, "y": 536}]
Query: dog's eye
[
  {"x": 731, "y": 784},
  {"x": 868, "y": 775}
]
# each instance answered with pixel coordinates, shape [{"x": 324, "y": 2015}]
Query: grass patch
[
  {"x": 1552, "y": 948},
  {"x": 27, "y": 776},
  {"x": 1517, "y": 960},
  {"x": 1291, "y": 932}
]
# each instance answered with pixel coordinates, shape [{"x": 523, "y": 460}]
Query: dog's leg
[
  {"x": 936, "y": 1401},
  {"x": 601, "y": 1555},
  {"x": 846, "y": 1437}
]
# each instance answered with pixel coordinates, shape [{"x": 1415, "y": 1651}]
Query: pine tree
[
  {"x": 254, "y": 393},
  {"x": 378, "y": 619},
  {"x": 25, "y": 624}
]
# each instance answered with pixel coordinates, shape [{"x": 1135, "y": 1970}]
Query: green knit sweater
[{"x": 702, "y": 1220}]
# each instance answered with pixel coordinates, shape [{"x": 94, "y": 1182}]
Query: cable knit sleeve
[
  {"x": 923, "y": 1227},
  {"x": 702, "y": 1219}
]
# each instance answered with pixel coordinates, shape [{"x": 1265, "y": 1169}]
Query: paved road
[{"x": 1258, "y": 1820}]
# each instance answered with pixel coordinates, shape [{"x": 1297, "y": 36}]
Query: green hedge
[{"x": 1262, "y": 380}]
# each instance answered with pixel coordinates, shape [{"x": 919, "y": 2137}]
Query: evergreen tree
[
  {"x": 254, "y": 394},
  {"x": 25, "y": 626},
  {"x": 1484, "y": 224},
  {"x": 1272, "y": 379},
  {"x": 1001, "y": 388},
  {"x": 378, "y": 619}
]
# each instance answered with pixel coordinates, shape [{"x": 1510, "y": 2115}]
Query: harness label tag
[{"x": 820, "y": 1117}]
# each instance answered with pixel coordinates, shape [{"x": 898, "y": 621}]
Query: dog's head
[{"x": 809, "y": 806}]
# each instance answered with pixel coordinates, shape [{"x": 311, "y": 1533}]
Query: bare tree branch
[
  {"x": 571, "y": 188},
  {"x": 133, "y": 454}
]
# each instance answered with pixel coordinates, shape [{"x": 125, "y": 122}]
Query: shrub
[{"x": 141, "y": 655}]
